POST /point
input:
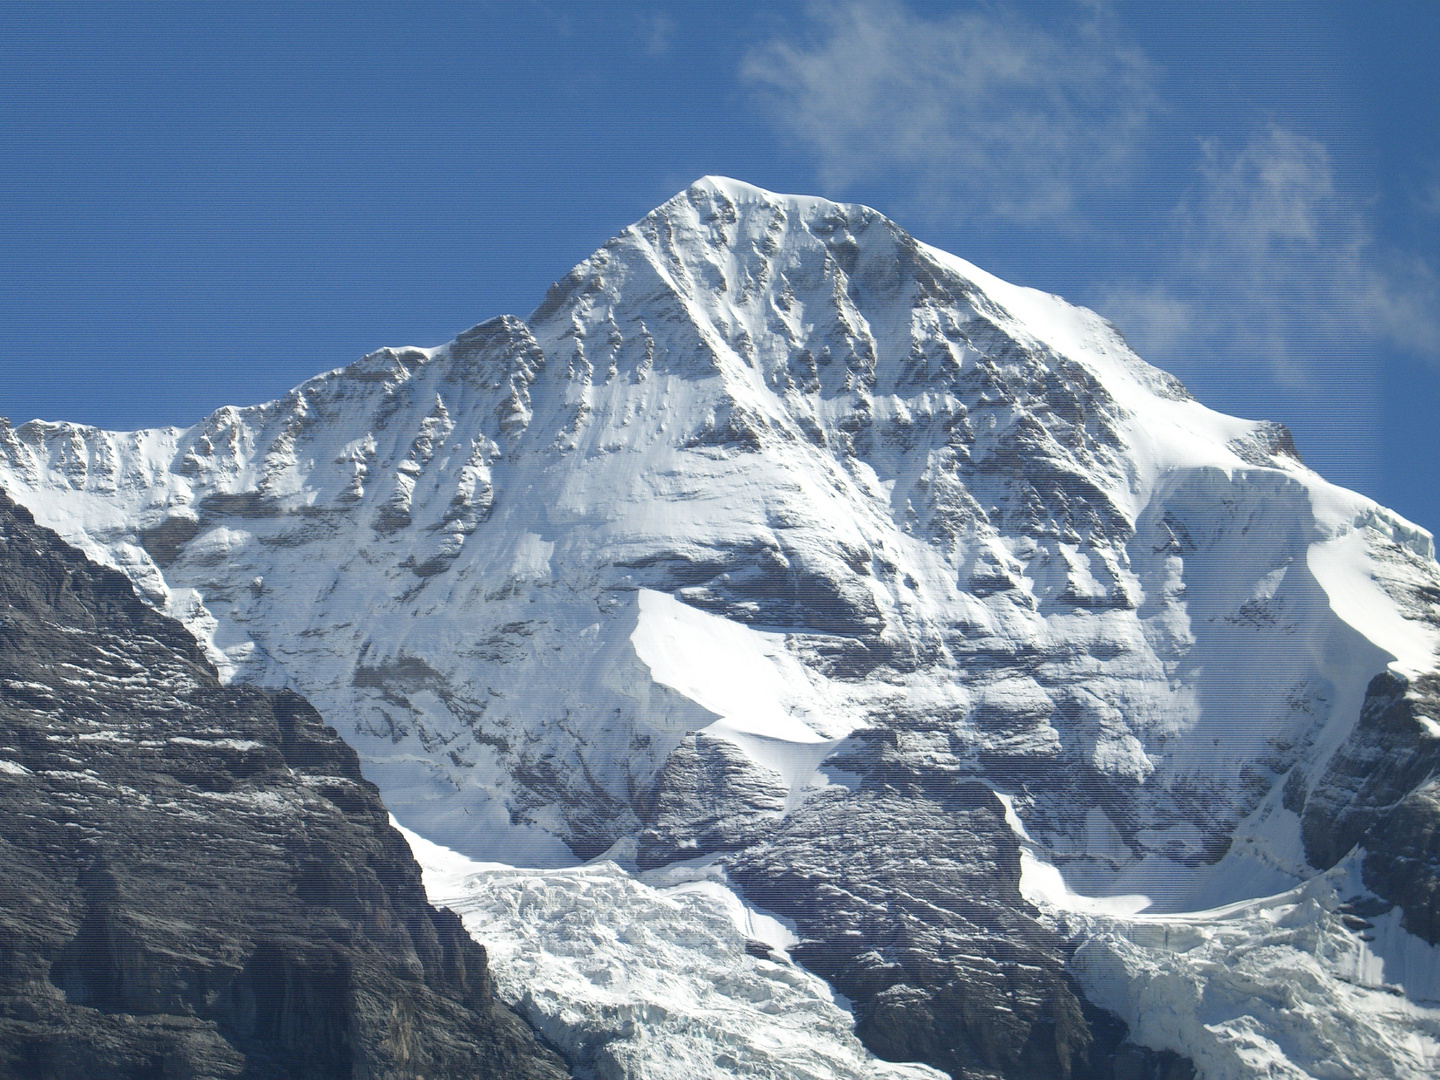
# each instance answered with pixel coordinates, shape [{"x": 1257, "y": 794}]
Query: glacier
[
  {"x": 778, "y": 540},
  {"x": 655, "y": 978}
]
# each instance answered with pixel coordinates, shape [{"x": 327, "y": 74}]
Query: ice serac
[
  {"x": 779, "y": 538},
  {"x": 195, "y": 881}
]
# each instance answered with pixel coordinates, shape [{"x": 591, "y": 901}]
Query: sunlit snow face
[
  {"x": 788, "y": 414},
  {"x": 770, "y": 509}
]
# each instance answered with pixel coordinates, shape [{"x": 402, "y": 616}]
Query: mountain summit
[{"x": 777, "y": 539}]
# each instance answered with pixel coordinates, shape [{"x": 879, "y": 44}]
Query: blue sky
[{"x": 205, "y": 204}]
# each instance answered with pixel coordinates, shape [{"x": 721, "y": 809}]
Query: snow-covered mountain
[{"x": 910, "y": 602}]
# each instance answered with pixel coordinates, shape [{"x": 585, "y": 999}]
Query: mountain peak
[
  {"x": 741, "y": 191},
  {"x": 734, "y": 189},
  {"x": 773, "y": 525}
]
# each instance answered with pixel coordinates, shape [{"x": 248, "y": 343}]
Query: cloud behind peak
[{"x": 987, "y": 116}]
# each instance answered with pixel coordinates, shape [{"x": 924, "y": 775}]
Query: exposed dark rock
[
  {"x": 909, "y": 903},
  {"x": 710, "y": 796},
  {"x": 164, "y": 541},
  {"x": 1382, "y": 790},
  {"x": 1267, "y": 441},
  {"x": 1402, "y": 860},
  {"x": 245, "y": 504},
  {"x": 1390, "y": 753},
  {"x": 195, "y": 880}
]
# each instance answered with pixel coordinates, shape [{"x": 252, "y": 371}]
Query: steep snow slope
[{"x": 771, "y": 519}]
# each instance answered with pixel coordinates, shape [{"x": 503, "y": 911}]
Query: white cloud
[
  {"x": 657, "y": 32},
  {"x": 989, "y": 116},
  {"x": 1425, "y": 195},
  {"x": 1264, "y": 265},
  {"x": 1270, "y": 261},
  {"x": 1156, "y": 321}
]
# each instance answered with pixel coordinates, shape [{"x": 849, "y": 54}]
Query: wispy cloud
[
  {"x": 1428, "y": 199},
  {"x": 1267, "y": 260},
  {"x": 1264, "y": 264},
  {"x": 986, "y": 115},
  {"x": 657, "y": 32}
]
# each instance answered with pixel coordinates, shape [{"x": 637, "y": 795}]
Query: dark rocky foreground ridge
[{"x": 195, "y": 881}]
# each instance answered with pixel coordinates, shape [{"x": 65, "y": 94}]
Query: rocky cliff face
[
  {"x": 772, "y": 524},
  {"x": 908, "y": 901},
  {"x": 195, "y": 880},
  {"x": 1382, "y": 791}
]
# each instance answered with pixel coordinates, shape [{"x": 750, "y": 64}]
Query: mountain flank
[{"x": 195, "y": 880}]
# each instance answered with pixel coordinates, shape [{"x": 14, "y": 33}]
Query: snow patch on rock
[{"x": 758, "y": 691}]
